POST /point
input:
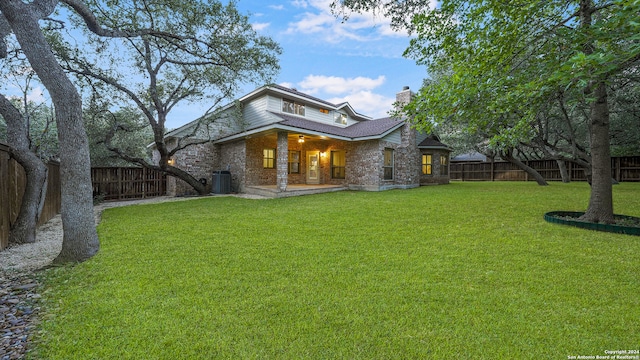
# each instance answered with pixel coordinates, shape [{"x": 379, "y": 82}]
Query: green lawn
[{"x": 467, "y": 270}]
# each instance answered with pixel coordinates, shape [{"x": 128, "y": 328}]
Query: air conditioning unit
[{"x": 221, "y": 182}]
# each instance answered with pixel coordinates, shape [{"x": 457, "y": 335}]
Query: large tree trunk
[
  {"x": 80, "y": 240},
  {"x": 601, "y": 200},
  {"x": 23, "y": 230},
  {"x": 528, "y": 169},
  {"x": 564, "y": 174}
]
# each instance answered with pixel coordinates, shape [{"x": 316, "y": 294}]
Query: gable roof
[
  {"x": 284, "y": 91},
  {"x": 293, "y": 93},
  {"x": 364, "y": 129},
  {"x": 433, "y": 142}
]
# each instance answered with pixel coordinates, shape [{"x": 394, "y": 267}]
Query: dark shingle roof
[
  {"x": 359, "y": 130},
  {"x": 301, "y": 94},
  {"x": 432, "y": 142}
]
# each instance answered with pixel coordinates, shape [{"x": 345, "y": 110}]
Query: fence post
[
  {"x": 144, "y": 182},
  {"x": 493, "y": 170},
  {"x": 119, "y": 174}
]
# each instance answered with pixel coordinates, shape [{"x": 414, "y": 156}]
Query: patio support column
[{"x": 282, "y": 161}]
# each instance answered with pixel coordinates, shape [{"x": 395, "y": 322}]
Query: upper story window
[
  {"x": 341, "y": 118},
  {"x": 291, "y": 107}
]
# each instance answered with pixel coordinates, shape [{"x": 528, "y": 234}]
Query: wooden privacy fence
[
  {"x": 624, "y": 168},
  {"x": 12, "y": 184},
  {"x": 126, "y": 183}
]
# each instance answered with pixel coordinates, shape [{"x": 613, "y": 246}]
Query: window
[
  {"x": 444, "y": 165},
  {"x": 338, "y": 164},
  {"x": 427, "y": 161},
  {"x": 388, "y": 164},
  {"x": 294, "y": 162},
  {"x": 269, "y": 158},
  {"x": 324, "y": 111},
  {"x": 341, "y": 118},
  {"x": 291, "y": 107}
]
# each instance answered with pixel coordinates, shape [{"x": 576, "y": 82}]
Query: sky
[{"x": 359, "y": 61}]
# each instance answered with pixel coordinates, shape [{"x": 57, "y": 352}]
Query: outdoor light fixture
[
  {"x": 301, "y": 138},
  {"x": 171, "y": 161}
]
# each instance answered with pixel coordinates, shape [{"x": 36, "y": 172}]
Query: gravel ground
[{"x": 19, "y": 287}]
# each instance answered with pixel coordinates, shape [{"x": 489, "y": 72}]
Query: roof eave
[
  {"x": 379, "y": 136},
  {"x": 277, "y": 126},
  {"x": 435, "y": 148}
]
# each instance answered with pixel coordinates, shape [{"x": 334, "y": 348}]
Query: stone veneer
[
  {"x": 235, "y": 161},
  {"x": 197, "y": 160},
  {"x": 436, "y": 177}
]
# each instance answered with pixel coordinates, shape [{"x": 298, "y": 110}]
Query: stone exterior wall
[
  {"x": 436, "y": 177},
  {"x": 197, "y": 160},
  {"x": 407, "y": 162},
  {"x": 233, "y": 157},
  {"x": 364, "y": 165},
  {"x": 282, "y": 160}
]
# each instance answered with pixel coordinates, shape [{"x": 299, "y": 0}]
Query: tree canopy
[
  {"x": 200, "y": 51},
  {"x": 501, "y": 62}
]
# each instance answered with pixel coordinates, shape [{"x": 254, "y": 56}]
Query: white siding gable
[{"x": 255, "y": 112}]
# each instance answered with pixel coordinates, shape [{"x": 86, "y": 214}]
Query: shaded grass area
[{"x": 468, "y": 270}]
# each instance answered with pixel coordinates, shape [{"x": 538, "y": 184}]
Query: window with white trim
[
  {"x": 292, "y": 107},
  {"x": 294, "y": 162}
]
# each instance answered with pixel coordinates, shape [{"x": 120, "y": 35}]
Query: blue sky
[{"x": 359, "y": 61}]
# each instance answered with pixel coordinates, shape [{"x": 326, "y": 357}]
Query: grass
[{"x": 468, "y": 270}]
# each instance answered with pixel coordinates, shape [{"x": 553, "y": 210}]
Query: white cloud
[
  {"x": 276, "y": 7},
  {"x": 260, "y": 26},
  {"x": 300, "y": 3},
  {"x": 320, "y": 21},
  {"x": 313, "y": 84},
  {"x": 367, "y": 103},
  {"x": 357, "y": 91}
]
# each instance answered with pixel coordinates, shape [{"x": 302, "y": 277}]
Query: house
[
  {"x": 277, "y": 140},
  {"x": 471, "y": 156}
]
